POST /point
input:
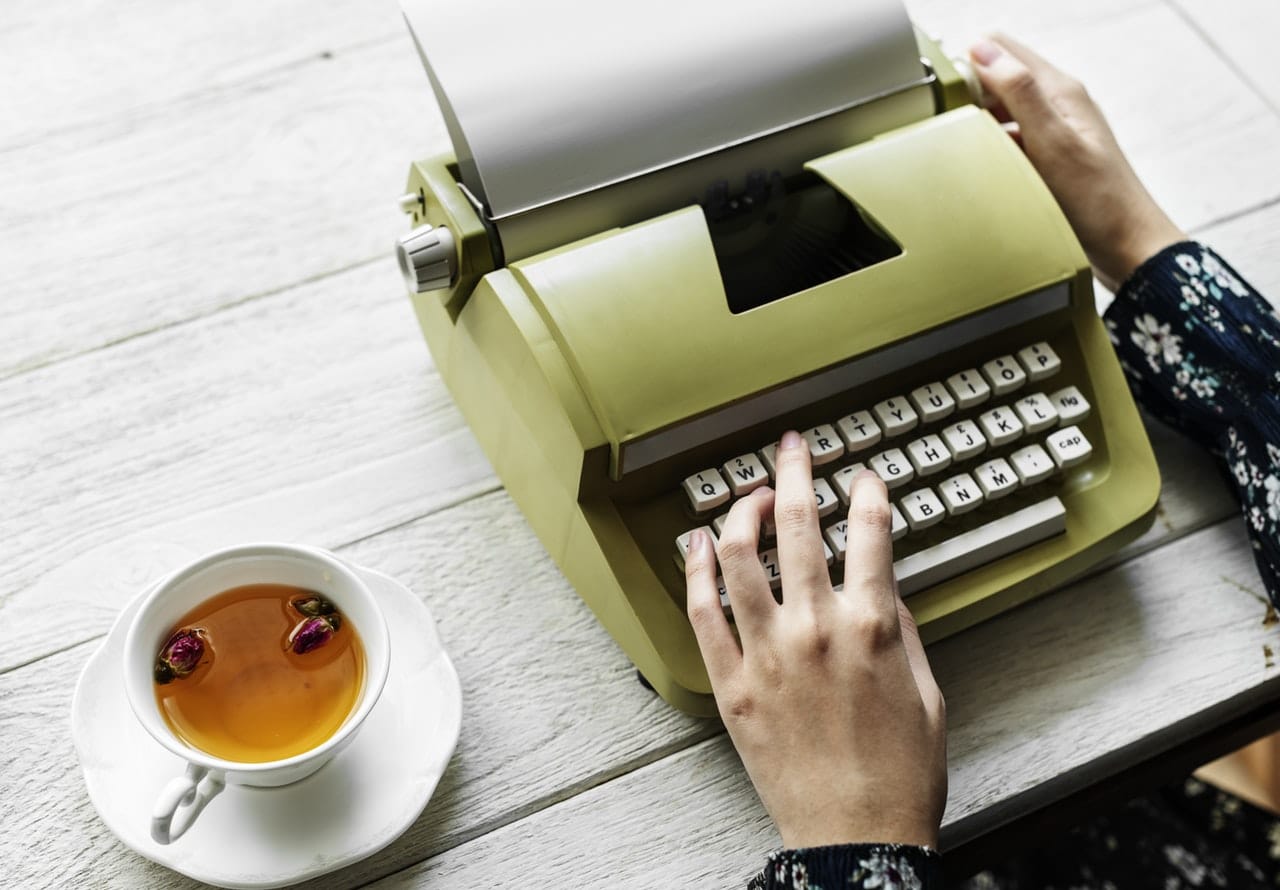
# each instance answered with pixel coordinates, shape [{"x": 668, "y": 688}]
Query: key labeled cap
[
  {"x": 825, "y": 445},
  {"x": 1036, "y": 412},
  {"x": 842, "y": 481},
  {"x": 1032, "y": 464},
  {"x": 893, "y": 467},
  {"x": 932, "y": 402},
  {"x": 960, "y": 494},
  {"x": 964, "y": 439},
  {"x": 1071, "y": 406},
  {"x": 745, "y": 474},
  {"x": 928, "y": 455},
  {"x": 859, "y": 431},
  {"x": 996, "y": 478},
  {"x": 969, "y": 388},
  {"x": 923, "y": 509},
  {"x": 1068, "y": 447},
  {"x": 895, "y": 416},
  {"x": 1040, "y": 361},
  {"x": 706, "y": 490},
  {"x": 1000, "y": 425}
]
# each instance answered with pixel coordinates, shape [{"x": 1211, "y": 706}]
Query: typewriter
[{"x": 664, "y": 239}]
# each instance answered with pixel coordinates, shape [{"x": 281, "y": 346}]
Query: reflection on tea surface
[{"x": 259, "y": 673}]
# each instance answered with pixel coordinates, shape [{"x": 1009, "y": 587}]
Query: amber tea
[{"x": 259, "y": 673}]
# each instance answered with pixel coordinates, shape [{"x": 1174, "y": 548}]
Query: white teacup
[{"x": 183, "y": 798}]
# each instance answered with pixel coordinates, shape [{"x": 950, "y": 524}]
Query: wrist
[
  {"x": 1144, "y": 234},
  {"x": 827, "y": 834}
]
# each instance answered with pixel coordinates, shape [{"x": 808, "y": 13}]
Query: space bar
[{"x": 981, "y": 545}]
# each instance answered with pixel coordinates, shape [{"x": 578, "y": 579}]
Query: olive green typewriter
[{"x": 663, "y": 241}]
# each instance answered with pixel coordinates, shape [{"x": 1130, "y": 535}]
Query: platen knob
[{"x": 428, "y": 258}]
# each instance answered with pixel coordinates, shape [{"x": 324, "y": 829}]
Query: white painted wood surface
[{"x": 203, "y": 339}]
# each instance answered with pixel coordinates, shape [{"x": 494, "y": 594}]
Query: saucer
[{"x": 351, "y": 807}]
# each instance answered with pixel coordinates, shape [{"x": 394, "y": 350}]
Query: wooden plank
[
  {"x": 127, "y": 226},
  {"x": 81, "y": 62},
  {"x": 551, "y": 706},
  {"x": 1243, "y": 33},
  {"x": 315, "y": 412},
  {"x": 1079, "y": 684}
]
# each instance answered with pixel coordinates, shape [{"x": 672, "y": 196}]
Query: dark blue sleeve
[
  {"x": 852, "y": 867},
  {"x": 1201, "y": 349}
]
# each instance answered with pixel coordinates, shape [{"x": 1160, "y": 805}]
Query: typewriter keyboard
[{"x": 936, "y": 448}]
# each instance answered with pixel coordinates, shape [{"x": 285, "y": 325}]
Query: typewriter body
[{"x": 627, "y": 353}]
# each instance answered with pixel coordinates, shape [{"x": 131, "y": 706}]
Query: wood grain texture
[
  {"x": 327, "y": 388},
  {"x": 1077, "y": 685},
  {"x": 1243, "y": 33},
  {"x": 551, "y": 707},
  {"x": 80, "y": 62},
  {"x": 126, "y": 226}
]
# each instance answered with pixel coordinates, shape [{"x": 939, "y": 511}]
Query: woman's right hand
[{"x": 1067, "y": 139}]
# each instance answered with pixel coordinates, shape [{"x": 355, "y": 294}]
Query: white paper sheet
[{"x": 554, "y": 98}]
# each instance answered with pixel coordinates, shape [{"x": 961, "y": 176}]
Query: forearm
[{"x": 1201, "y": 349}]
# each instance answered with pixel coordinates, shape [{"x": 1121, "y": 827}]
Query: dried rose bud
[
  {"x": 312, "y": 606},
  {"x": 312, "y": 634},
  {"x": 179, "y": 656}
]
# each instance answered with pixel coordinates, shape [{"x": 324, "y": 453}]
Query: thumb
[{"x": 1013, "y": 83}]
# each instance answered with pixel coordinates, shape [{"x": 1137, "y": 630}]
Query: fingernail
[
  {"x": 864, "y": 477},
  {"x": 984, "y": 52},
  {"x": 697, "y": 541},
  {"x": 790, "y": 439}
]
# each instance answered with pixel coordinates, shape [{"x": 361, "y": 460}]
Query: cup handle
[{"x": 182, "y": 800}]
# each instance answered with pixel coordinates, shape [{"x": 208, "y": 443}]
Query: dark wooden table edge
[{"x": 997, "y": 832}]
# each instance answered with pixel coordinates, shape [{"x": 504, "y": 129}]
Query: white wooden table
[{"x": 204, "y": 339}]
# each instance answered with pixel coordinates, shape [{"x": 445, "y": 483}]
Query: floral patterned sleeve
[
  {"x": 852, "y": 867},
  {"x": 1201, "y": 349}
]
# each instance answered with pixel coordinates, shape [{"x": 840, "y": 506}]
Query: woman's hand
[
  {"x": 1067, "y": 139},
  {"x": 829, "y": 698}
]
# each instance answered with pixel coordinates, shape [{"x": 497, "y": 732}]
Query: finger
[
  {"x": 1015, "y": 133},
  {"x": 1019, "y": 82},
  {"x": 719, "y": 649},
  {"x": 801, "y": 556},
  {"x": 1045, "y": 71},
  {"x": 999, "y": 112},
  {"x": 750, "y": 596},
  {"x": 868, "y": 558},
  {"x": 930, "y": 694}
]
